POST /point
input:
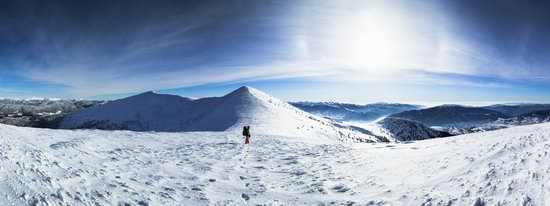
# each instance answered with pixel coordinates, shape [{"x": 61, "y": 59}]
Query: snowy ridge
[
  {"x": 244, "y": 106},
  {"x": 130, "y": 113}
]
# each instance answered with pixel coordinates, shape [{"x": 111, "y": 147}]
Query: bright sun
[{"x": 378, "y": 40}]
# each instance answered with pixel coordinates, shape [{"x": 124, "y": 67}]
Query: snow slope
[
  {"x": 94, "y": 167},
  {"x": 244, "y": 106}
]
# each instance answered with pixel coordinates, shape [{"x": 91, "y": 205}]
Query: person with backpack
[{"x": 246, "y": 133}]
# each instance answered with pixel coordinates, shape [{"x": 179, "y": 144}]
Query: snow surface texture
[
  {"x": 94, "y": 167},
  {"x": 244, "y": 106}
]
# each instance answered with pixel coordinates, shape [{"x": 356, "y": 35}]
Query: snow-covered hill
[
  {"x": 94, "y": 167},
  {"x": 244, "y": 106}
]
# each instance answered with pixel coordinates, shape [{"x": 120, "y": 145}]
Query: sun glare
[{"x": 375, "y": 39}]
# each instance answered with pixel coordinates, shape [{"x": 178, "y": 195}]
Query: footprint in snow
[
  {"x": 340, "y": 188},
  {"x": 65, "y": 144}
]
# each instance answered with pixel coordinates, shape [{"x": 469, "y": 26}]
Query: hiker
[{"x": 246, "y": 133}]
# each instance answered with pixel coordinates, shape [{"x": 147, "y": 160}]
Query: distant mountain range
[
  {"x": 150, "y": 111},
  {"x": 535, "y": 117},
  {"x": 353, "y": 112},
  {"x": 457, "y": 119},
  {"x": 37, "y": 112},
  {"x": 457, "y": 115},
  {"x": 452, "y": 115},
  {"x": 517, "y": 109}
]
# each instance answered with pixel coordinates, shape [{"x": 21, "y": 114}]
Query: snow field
[{"x": 89, "y": 167}]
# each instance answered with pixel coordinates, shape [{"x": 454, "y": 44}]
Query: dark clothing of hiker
[{"x": 246, "y": 133}]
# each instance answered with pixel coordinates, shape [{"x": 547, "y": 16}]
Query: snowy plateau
[{"x": 156, "y": 149}]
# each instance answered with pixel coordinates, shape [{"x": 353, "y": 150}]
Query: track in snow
[{"x": 45, "y": 167}]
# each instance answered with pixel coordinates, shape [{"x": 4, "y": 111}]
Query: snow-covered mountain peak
[
  {"x": 245, "y": 106},
  {"x": 246, "y": 91},
  {"x": 145, "y": 95},
  {"x": 148, "y": 93}
]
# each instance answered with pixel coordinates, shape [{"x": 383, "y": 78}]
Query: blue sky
[{"x": 349, "y": 51}]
